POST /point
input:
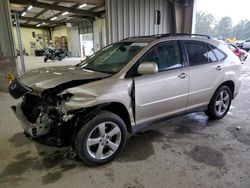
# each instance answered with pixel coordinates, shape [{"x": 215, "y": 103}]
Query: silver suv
[{"x": 123, "y": 88}]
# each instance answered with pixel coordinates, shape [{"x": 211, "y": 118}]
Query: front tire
[
  {"x": 220, "y": 103},
  {"x": 101, "y": 139},
  {"x": 45, "y": 59}
]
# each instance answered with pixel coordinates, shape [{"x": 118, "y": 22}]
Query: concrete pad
[{"x": 188, "y": 151}]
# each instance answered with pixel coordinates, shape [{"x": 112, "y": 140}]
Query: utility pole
[{"x": 20, "y": 45}]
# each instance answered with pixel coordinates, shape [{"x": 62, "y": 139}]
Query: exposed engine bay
[
  {"x": 43, "y": 118},
  {"x": 42, "y": 115}
]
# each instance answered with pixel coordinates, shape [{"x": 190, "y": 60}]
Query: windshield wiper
[{"x": 105, "y": 72}]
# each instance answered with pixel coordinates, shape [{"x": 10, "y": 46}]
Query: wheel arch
[
  {"x": 115, "y": 107},
  {"x": 210, "y": 109},
  {"x": 120, "y": 110},
  {"x": 230, "y": 84}
]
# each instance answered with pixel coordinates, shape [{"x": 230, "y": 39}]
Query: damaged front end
[
  {"x": 43, "y": 119},
  {"x": 43, "y": 116}
]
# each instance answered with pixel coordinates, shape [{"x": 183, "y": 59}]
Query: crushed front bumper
[{"x": 31, "y": 129}]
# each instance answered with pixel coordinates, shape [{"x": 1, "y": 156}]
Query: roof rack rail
[
  {"x": 131, "y": 37},
  {"x": 169, "y": 35},
  {"x": 183, "y": 34}
]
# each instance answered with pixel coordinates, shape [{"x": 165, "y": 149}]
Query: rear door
[
  {"x": 166, "y": 92},
  {"x": 205, "y": 71}
]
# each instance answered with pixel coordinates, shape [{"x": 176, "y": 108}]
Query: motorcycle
[{"x": 54, "y": 54}]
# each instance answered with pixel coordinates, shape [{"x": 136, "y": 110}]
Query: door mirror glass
[{"x": 148, "y": 68}]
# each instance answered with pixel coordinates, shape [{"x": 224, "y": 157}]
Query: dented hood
[{"x": 50, "y": 77}]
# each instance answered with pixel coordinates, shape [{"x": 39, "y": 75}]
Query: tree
[
  {"x": 224, "y": 27},
  {"x": 237, "y": 30},
  {"x": 204, "y": 23}
]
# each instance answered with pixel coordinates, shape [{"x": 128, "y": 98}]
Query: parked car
[
  {"x": 123, "y": 88},
  {"x": 242, "y": 54},
  {"x": 245, "y": 45}
]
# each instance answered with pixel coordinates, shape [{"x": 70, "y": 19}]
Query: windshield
[{"x": 112, "y": 58}]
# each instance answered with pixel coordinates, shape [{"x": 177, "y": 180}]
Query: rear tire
[
  {"x": 101, "y": 139},
  {"x": 220, "y": 103}
]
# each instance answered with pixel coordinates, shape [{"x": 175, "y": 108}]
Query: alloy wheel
[
  {"x": 104, "y": 140},
  {"x": 222, "y": 102}
]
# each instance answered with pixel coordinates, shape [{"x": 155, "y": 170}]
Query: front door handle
[
  {"x": 218, "y": 67},
  {"x": 182, "y": 75}
]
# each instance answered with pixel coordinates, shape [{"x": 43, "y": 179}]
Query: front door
[{"x": 166, "y": 92}]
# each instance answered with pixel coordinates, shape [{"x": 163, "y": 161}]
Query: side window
[
  {"x": 166, "y": 55},
  {"x": 219, "y": 54},
  {"x": 210, "y": 54},
  {"x": 197, "y": 53}
]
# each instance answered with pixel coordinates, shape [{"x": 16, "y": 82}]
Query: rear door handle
[
  {"x": 218, "y": 67},
  {"x": 182, "y": 75}
]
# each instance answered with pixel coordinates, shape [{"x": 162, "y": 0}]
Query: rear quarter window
[
  {"x": 211, "y": 55},
  {"x": 218, "y": 53}
]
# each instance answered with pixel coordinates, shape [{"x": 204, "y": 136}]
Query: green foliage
[
  {"x": 242, "y": 30},
  {"x": 206, "y": 24},
  {"x": 224, "y": 27}
]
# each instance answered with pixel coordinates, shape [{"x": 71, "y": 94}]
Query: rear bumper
[{"x": 30, "y": 129}]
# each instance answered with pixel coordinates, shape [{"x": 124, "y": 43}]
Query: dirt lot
[{"x": 189, "y": 151}]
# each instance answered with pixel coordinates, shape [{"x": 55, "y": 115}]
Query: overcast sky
[{"x": 236, "y": 9}]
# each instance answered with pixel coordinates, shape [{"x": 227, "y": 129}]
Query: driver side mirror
[{"x": 148, "y": 68}]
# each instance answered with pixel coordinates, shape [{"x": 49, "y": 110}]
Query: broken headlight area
[
  {"x": 18, "y": 89},
  {"x": 43, "y": 118}
]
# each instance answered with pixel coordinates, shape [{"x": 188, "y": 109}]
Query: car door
[
  {"x": 166, "y": 92},
  {"x": 205, "y": 72}
]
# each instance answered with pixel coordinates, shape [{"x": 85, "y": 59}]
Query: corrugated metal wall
[{"x": 127, "y": 18}]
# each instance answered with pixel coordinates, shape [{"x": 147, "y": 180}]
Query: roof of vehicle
[{"x": 177, "y": 36}]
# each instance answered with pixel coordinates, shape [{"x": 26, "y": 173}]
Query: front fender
[{"x": 79, "y": 102}]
